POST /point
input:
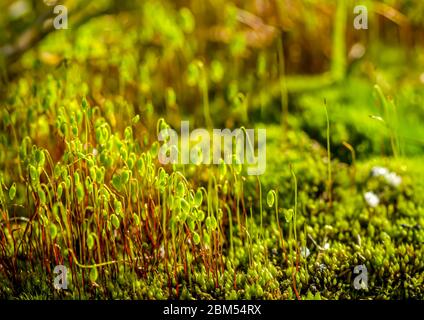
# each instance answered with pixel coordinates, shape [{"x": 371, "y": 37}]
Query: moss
[{"x": 81, "y": 184}]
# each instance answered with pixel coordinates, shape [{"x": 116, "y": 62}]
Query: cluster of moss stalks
[{"x": 128, "y": 227}]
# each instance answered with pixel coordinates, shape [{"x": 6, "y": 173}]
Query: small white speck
[
  {"x": 326, "y": 246},
  {"x": 304, "y": 251},
  {"x": 393, "y": 179},
  {"x": 379, "y": 171},
  {"x": 372, "y": 199},
  {"x": 95, "y": 152},
  {"x": 162, "y": 252},
  {"x": 18, "y": 9},
  {"x": 357, "y": 51},
  {"x": 322, "y": 267}
]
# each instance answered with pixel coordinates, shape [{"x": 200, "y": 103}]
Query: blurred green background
[{"x": 140, "y": 57}]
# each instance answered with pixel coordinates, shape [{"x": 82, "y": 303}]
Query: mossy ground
[{"x": 81, "y": 185}]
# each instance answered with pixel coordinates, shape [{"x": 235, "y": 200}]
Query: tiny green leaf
[
  {"x": 125, "y": 176},
  {"x": 191, "y": 224},
  {"x": 33, "y": 173},
  {"x": 135, "y": 119},
  {"x": 116, "y": 182},
  {"x": 270, "y": 198},
  {"x": 59, "y": 191},
  {"x": 185, "y": 207},
  {"x": 288, "y": 214},
  {"x": 90, "y": 241},
  {"x": 53, "y": 231},
  {"x": 80, "y": 192},
  {"x": 136, "y": 219},
  {"x": 222, "y": 168},
  {"x": 200, "y": 215},
  {"x": 115, "y": 220},
  {"x": 42, "y": 196},
  {"x": 12, "y": 191},
  {"x": 196, "y": 238},
  {"x": 198, "y": 198},
  {"x": 93, "y": 274},
  {"x": 40, "y": 157},
  {"x": 211, "y": 223},
  {"x": 180, "y": 189}
]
